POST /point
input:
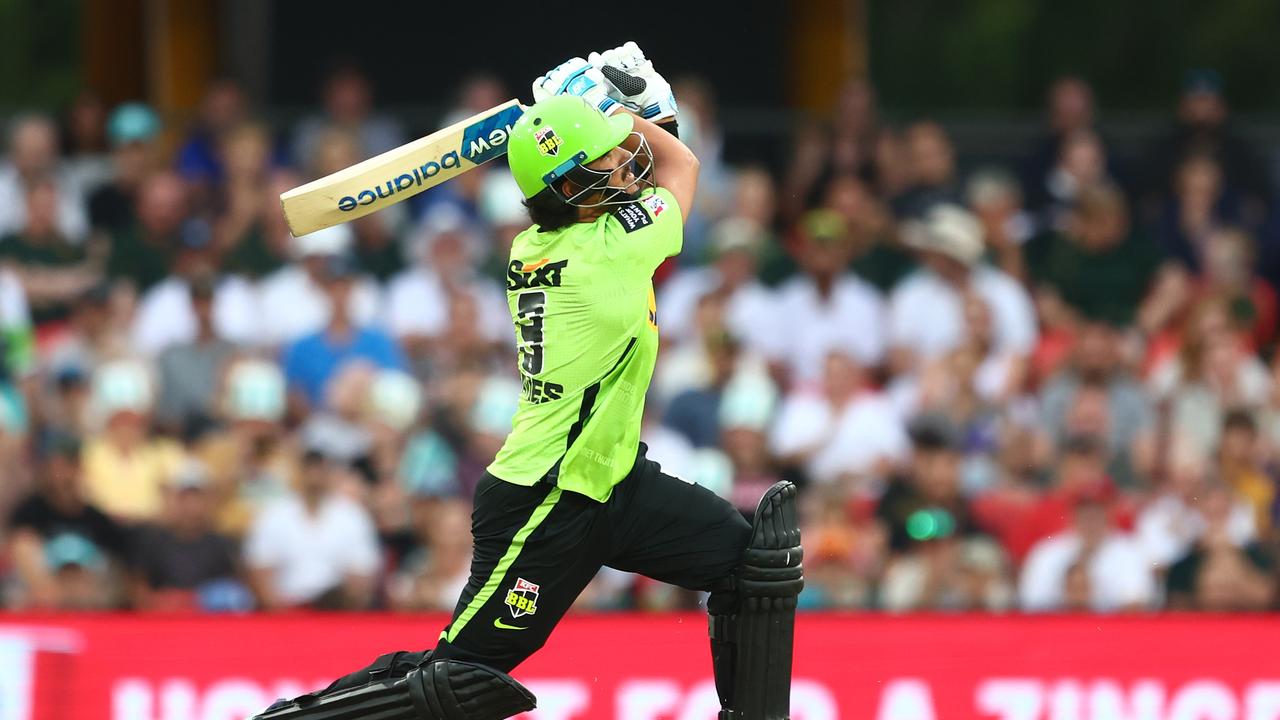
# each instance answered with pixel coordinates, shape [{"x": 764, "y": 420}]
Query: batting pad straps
[{"x": 440, "y": 690}]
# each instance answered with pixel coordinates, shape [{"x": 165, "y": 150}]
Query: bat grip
[{"x": 628, "y": 85}]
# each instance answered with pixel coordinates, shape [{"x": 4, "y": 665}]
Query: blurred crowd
[{"x": 1041, "y": 386}]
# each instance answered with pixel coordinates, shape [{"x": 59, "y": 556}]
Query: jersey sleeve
[{"x": 652, "y": 227}]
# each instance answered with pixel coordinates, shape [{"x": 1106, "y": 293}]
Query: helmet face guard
[{"x": 591, "y": 180}]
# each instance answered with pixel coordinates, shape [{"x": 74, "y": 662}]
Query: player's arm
[{"x": 675, "y": 167}]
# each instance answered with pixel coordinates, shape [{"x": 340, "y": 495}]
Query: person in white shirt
[
  {"x": 421, "y": 298},
  {"x": 166, "y": 314},
  {"x": 844, "y": 430},
  {"x": 316, "y": 548},
  {"x": 826, "y": 308},
  {"x": 33, "y": 153},
  {"x": 292, "y": 302},
  {"x": 736, "y": 244},
  {"x": 1120, "y": 577},
  {"x": 927, "y": 308}
]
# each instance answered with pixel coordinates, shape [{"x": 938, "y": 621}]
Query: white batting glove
[
  {"x": 576, "y": 77},
  {"x": 656, "y": 102}
]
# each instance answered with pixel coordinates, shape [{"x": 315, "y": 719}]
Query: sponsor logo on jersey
[
  {"x": 522, "y": 599},
  {"x": 632, "y": 216},
  {"x": 543, "y": 273},
  {"x": 548, "y": 141},
  {"x": 656, "y": 204}
]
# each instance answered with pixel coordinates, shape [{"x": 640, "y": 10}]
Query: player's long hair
[{"x": 550, "y": 212}]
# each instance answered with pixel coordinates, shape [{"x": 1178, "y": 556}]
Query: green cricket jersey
[{"x": 586, "y": 329}]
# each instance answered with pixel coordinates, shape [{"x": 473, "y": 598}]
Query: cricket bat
[
  {"x": 403, "y": 172},
  {"x": 400, "y": 173}
]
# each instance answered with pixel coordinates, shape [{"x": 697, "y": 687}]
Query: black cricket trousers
[{"x": 537, "y": 547}]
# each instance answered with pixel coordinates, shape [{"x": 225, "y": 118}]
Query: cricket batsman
[{"x": 607, "y": 184}]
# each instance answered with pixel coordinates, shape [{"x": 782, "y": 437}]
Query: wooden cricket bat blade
[{"x": 400, "y": 173}]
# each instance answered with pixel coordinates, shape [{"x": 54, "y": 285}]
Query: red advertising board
[{"x": 656, "y": 668}]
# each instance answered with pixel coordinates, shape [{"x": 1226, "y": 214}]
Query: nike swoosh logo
[{"x": 497, "y": 622}]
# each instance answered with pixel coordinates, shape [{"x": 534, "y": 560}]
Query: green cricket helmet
[{"x": 557, "y": 137}]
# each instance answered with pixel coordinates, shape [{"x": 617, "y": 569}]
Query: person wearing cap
[
  {"x": 313, "y": 359},
  {"x": 293, "y": 302},
  {"x": 133, "y": 129},
  {"x": 927, "y": 308},
  {"x": 169, "y": 313},
  {"x": 1203, "y": 123},
  {"x": 175, "y": 560},
  {"x": 825, "y": 308},
  {"x": 421, "y": 300},
  {"x": 59, "y": 505},
  {"x": 32, "y": 155}
]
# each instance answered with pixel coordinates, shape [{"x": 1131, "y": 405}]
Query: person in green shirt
[{"x": 571, "y": 490}]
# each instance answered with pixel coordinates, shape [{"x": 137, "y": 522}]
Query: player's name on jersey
[{"x": 539, "y": 391}]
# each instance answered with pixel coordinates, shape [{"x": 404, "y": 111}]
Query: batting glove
[
  {"x": 576, "y": 77},
  {"x": 656, "y": 101}
]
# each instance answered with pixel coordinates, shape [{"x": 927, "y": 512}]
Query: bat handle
[{"x": 628, "y": 85}]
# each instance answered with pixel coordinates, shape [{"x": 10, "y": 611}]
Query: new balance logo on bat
[{"x": 481, "y": 142}]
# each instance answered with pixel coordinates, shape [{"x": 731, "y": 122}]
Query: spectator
[
  {"x": 293, "y": 301},
  {"x": 243, "y": 201},
  {"x": 1118, "y": 574},
  {"x": 1173, "y": 521},
  {"x": 1230, "y": 274},
  {"x": 167, "y": 314},
  {"x": 849, "y": 147},
  {"x": 199, "y": 161},
  {"x": 996, "y": 201},
  {"x": 420, "y": 300},
  {"x": 695, "y": 411},
  {"x": 52, "y": 270},
  {"x": 1212, "y": 372},
  {"x": 140, "y": 255},
  {"x": 1240, "y": 465},
  {"x": 1096, "y": 366},
  {"x": 433, "y": 575},
  {"x": 926, "y": 309},
  {"x": 1221, "y": 574},
  {"x": 845, "y": 433},
  {"x": 1070, "y": 110},
  {"x": 59, "y": 511},
  {"x": 191, "y": 371},
  {"x": 134, "y": 131},
  {"x": 348, "y": 104},
  {"x": 736, "y": 245},
  {"x": 33, "y": 155},
  {"x": 315, "y": 548},
  {"x": 931, "y": 172},
  {"x": 124, "y": 466},
  {"x": 84, "y": 142},
  {"x": 944, "y": 572},
  {"x": 1198, "y": 206},
  {"x": 878, "y": 256},
  {"x": 253, "y": 460},
  {"x": 1203, "y": 127},
  {"x": 1081, "y": 164},
  {"x": 814, "y": 310},
  {"x": 745, "y": 415},
  {"x": 931, "y": 483},
  {"x": 180, "y": 562},
  {"x": 311, "y": 361},
  {"x": 1100, "y": 266}
]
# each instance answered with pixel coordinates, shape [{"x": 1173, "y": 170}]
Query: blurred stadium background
[{"x": 994, "y": 282}]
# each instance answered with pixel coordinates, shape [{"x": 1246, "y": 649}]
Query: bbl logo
[
  {"x": 523, "y": 598},
  {"x": 548, "y": 141}
]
